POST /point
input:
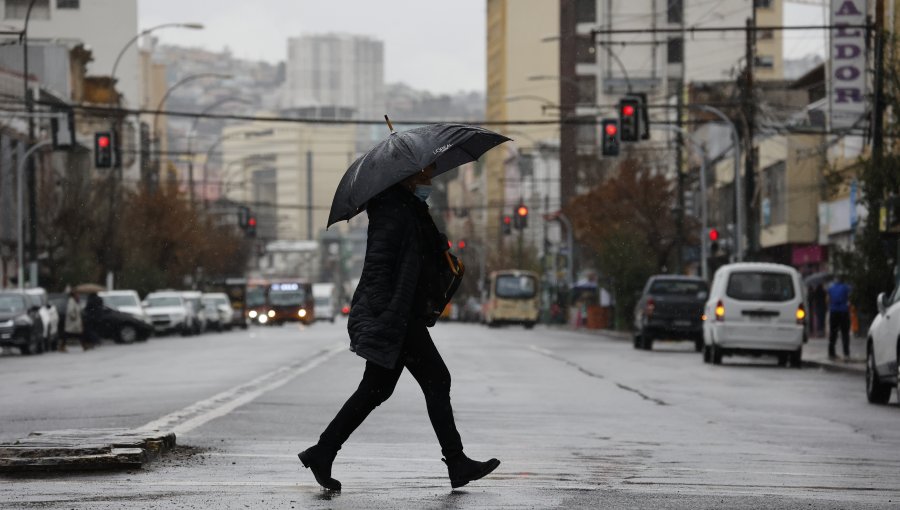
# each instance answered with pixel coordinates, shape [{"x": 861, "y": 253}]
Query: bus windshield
[
  {"x": 287, "y": 298},
  {"x": 256, "y": 297},
  {"x": 516, "y": 287}
]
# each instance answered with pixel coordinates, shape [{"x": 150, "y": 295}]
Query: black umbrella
[{"x": 402, "y": 155}]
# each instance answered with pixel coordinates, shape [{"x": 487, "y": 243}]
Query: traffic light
[
  {"x": 630, "y": 119},
  {"x": 250, "y": 229},
  {"x": 461, "y": 245},
  {"x": 521, "y": 218},
  {"x": 610, "y": 137},
  {"x": 506, "y": 224},
  {"x": 103, "y": 149},
  {"x": 713, "y": 235},
  {"x": 243, "y": 214}
]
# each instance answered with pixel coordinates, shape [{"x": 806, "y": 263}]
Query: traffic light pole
[{"x": 20, "y": 216}]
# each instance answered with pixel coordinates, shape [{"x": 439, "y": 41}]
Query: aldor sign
[{"x": 847, "y": 80}]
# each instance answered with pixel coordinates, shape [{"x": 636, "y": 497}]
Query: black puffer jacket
[{"x": 402, "y": 246}]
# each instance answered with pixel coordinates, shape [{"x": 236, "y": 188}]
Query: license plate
[{"x": 6, "y": 336}]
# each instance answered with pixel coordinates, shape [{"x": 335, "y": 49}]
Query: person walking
[
  {"x": 839, "y": 316},
  {"x": 93, "y": 310},
  {"x": 74, "y": 327},
  {"x": 388, "y": 328}
]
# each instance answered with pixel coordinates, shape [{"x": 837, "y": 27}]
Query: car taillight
[
  {"x": 720, "y": 311},
  {"x": 801, "y": 314},
  {"x": 650, "y": 308}
]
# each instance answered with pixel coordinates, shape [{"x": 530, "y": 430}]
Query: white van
[
  {"x": 755, "y": 308},
  {"x": 325, "y": 301}
]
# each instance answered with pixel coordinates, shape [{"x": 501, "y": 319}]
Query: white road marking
[{"x": 199, "y": 413}]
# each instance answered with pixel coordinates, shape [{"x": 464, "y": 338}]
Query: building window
[
  {"x": 773, "y": 203},
  {"x": 675, "y": 53},
  {"x": 764, "y": 61},
  {"x": 765, "y": 35},
  {"x": 675, "y": 11},
  {"x": 585, "y": 11},
  {"x": 585, "y": 53},
  {"x": 17, "y": 9},
  {"x": 68, "y": 4},
  {"x": 762, "y": 4}
]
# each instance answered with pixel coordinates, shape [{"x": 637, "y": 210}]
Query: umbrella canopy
[
  {"x": 402, "y": 155},
  {"x": 89, "y": 288}
]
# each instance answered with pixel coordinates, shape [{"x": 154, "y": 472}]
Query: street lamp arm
[
  {"x": 220, "y": 102},
  {"x": 184, "y": 80},
  {"x": 112, "y": 76}
]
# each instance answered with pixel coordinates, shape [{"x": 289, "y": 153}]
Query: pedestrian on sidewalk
[
  {"x": 388, "y": 328},
  {"x": 93, "y": 310},
  {"x": 819, "y": 300},
  {"x": 839, "y": 316},
  {"x": 74, "y": 327}
]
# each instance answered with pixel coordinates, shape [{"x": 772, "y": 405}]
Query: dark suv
[{"x": 670, "y": 308}]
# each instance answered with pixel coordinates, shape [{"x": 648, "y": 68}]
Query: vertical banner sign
[{"x": 847, "y": 65}]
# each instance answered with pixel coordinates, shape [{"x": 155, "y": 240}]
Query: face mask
[{"x": 422, "y": 192}]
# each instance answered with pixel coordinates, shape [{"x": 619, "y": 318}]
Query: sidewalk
[{"x": 815, "y": 352}]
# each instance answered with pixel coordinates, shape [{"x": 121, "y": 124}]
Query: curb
[
  {"x": 835, "y": 367},
  {"x": 83, "y": 450}
]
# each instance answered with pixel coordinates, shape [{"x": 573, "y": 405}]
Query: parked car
[
  {"x": 119, "y": 326},
  {"x": 217, "y": 308},
  {"x": 20, "y": 323},
  {"x": 755, "y": 308},
  {"x": 126, "y": 301},
  {"x": 882, "y": 348},
  {"x": 168, "y": 312},
  {"x": 670, "y": 308},
  {"x": 196, "y": 313},
  {"x": 49, "y": 317}
]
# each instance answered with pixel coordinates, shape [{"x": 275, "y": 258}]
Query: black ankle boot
[
  {"x": 463, "y": 470},
  {"x": 319, "y": 459}
]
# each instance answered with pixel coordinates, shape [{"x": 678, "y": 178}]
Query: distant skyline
[
  {"x": 432, "y": 46},
  {"x": 439, "y": 47}
]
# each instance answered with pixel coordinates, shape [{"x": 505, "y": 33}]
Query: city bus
[
  {"x": 290, "y": 301},
  {"x": 256, "y": 300},
  {"x": 512, "y": 298}
]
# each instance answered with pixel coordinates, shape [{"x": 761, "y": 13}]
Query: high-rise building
[{"x": 336, "y": 70}]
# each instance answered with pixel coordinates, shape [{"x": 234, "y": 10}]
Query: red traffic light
[
  {"x": 713, "y": 234},
  {"x": 611, "y": 129},
  {"x": 522, "y": 211},
  {"x": 507, "y": 220},
  {"x": 627, "y": 110},
  {"x": 251, "y": 222},
  {"x": 103, "y": 141},
  {"x": 461, "y": 245}
]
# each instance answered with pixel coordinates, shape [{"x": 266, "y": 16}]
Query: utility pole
[
  {"x": 752, "y": 225},
  {"x": 679, "y": 112},
  {"x": 309, "y": 195},
  {"x": 878, "y": 99}
]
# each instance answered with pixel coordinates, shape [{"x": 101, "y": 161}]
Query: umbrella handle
[{"x": 390, "y": 126}]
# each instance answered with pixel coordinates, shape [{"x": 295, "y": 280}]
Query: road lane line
[{"x": 199, "y": 413}]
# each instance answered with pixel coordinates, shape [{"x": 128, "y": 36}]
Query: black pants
[
  {"x": 421, "y": 358},
  {"x": 839, "y": 321}
]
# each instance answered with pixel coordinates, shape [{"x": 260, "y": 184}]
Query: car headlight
[
  {"x": 263, "y": 319},
  {"x": 6, "y": 324},
  {"x": 22, "y": 320},
  {"x": 252, "y": 314},
  {"x": 271, "y": 313},
  {"x": 302, "y": 313}
]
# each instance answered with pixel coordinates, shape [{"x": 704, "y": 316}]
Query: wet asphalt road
[{"x": 578, "y": 421}]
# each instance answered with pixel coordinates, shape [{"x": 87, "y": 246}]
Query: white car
[
  {"x": 882, "y": 347},
  {"x": 755, "y": 308},
  {"x": 168, "y": 312},
  {"x": 126, "y": 301},
  {"x": 218, "y": 309}
]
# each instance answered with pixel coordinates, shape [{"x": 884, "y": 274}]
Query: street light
[
  {"x": 187, "y": 79},
  {"x": 192, "y": 26},
  {"x": 190, "y": 142}
]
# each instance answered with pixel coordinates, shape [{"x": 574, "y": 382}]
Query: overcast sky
[{"x": 429, "y": 44}]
